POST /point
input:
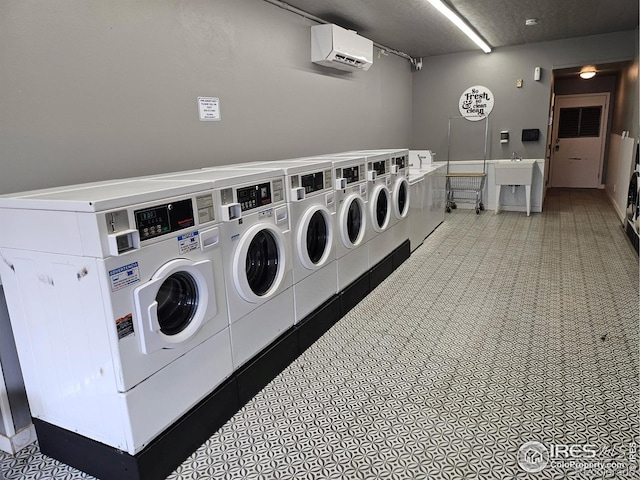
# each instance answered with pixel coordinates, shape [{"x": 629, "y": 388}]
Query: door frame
[{"x": 604, "y": 130}]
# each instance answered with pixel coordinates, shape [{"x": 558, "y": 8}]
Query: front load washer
[
  {"x": 379, "y": 211},
  {"x": 256, "y": 249},
  {"x": 310, "y": 195},
  {"x": 400, "y": 196},
  {"x": 117, "y": 303},
  {"x": 352, "y": 232}
]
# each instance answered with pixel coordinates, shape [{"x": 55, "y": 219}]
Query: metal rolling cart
[{"x": 466, "y": 187}]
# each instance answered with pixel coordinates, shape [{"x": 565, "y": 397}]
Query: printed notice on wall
[
  {"x": 476, "y": 103},
  {"x": 209, "y": 109}
]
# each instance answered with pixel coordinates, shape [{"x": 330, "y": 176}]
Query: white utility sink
[
  {"x": 514, "y": 172},
  {"x": 518, "y": 172}
]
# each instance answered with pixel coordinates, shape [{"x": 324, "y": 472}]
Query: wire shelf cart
[{"x": 466, "y": 187}]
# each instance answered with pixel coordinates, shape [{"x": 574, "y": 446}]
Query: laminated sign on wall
[{"x": 476, "y": 103}]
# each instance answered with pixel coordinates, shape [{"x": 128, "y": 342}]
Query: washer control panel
[
  {"x": 381, "y": 167},
  {"x": 351, "y": 174},
  {"x": 401, "y": 161},
  {"x": 163, "y": 219},
  {"x": 254, "y": 196},
  {"x": 312, "y": 182}
]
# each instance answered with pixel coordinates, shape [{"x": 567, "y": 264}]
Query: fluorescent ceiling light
[{"x": 461, "y": 24}]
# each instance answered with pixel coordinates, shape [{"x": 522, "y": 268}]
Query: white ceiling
[{"x": 416, "y": 28}]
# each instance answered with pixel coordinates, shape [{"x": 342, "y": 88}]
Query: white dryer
[
  {"x": 256, "y": 249},
  {"x": 116, "y": 297},
  {"x": 310, "y": 195}
]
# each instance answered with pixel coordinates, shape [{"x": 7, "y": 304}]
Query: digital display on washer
[
  {"x": 254, "y": 196},
  {"x": 380, "y": 167},
  {"x": 312, "y": 182},
  {"x": 162, "y": 219},
  {"x": 401, "y": 162},
  {"x": 351, "y": 174}
]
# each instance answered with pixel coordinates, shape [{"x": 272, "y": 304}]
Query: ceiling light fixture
[
  {"x": 461, "y": 24},
  {"x": 587, "y": 72},
  {"x": 529, "y": 22}
]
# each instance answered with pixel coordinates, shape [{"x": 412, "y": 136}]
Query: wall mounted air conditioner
[{"x": 336, "y": 47}]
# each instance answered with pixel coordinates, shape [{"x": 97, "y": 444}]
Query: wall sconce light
[{"x": 587, "y": 72}]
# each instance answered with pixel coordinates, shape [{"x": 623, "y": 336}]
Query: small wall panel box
[{"x": 530, "y": 135}]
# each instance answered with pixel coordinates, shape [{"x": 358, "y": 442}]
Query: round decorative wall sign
[{"x": 476, "y": 103}]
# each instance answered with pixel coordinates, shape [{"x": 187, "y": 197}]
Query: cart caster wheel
[
  {"x": 448, "y": 209},
  {"x": 477, "y": 211},
  {"x": 454, "y": 206},
  {"x": 482, "y": 207}
]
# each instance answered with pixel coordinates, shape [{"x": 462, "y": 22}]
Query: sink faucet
[{"x": 515, "y": 157}]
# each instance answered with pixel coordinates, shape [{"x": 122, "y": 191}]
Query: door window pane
[{"x": 579, "y": 122}]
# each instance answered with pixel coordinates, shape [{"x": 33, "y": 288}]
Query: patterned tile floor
[{"x": 498, "y": 331}]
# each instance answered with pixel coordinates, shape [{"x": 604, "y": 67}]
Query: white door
[{"x": 579, "y": 132}]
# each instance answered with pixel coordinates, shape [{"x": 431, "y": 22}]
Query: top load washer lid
[
  {"x": 100, "y": 196},
  {"x": 415, "y": 175}
]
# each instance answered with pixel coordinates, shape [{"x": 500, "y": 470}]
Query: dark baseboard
[
  {"x": 266, "y": 365},
  {"x": 401, "y": 254},
  {"x": 381, "y": 271},
  {"x": 318, "y": 322},
  {"x": 354, "y": 293}
]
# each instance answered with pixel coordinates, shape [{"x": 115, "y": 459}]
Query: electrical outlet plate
[{"x": 519, "y": 83}]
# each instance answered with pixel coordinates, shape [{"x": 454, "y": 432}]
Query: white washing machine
[
  {"x": 310, "y": 194},
  {"x": 255, "y": 241},
  {"x": 425, "y": 218},
  {"x": 117, "y": 303},
  {"x": 380, "y": 207},
  {"x": 352, "y": 231},
  {"x": 435, "y": 176},
  {"x": 398, "y": 185},
  {"x": 400, "y": 196},
  {"x": 417, "y": 217}
]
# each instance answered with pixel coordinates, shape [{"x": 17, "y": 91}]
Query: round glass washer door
[
  {"x": 401, "y": 198},
  {"x": 259, "y": 262},
  {"x": 314, "y": 237},
  {"x": 352, "y": 221},
  {"x": 173, "y": 305},
  {"x": 177, "y": 299},
  {"x": 379, "y": 208}
]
